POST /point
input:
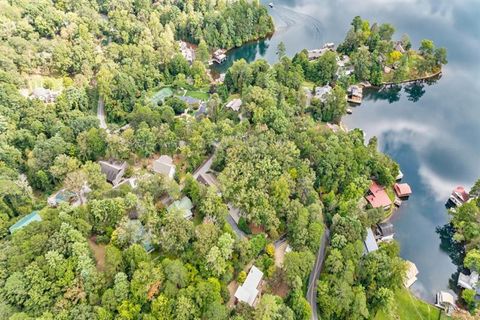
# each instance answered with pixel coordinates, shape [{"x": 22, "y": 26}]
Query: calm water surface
[{"x": 432, "y": 131}]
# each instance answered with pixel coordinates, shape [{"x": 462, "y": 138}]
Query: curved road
[{"x": 317, "y": 268}]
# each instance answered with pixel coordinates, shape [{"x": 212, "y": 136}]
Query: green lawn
[
  {"x": 408, "y": 307},
  {"x": 202, "y": 95},
  {"x": 37, "y": 81},
  {"x": 161, "y": 95}
]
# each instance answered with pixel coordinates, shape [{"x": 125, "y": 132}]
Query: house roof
[
  {"x": 461, "y": 193},
  {"x": 411, "y": 275},
  {"x": 386, "y": 229},
  {"x": 164, "y": 165},
  {"x": 34, "y": 216},
  {"x": 445, "y": 297},
  {"x": 370, "y": 243},
  {"x": 190, "y": 100},
  {"x": 185, "y": 205},
  {"x": 320, "y": 92},
  {"x": 402, "y": 189},
  {"x": 378, "y": 197},
  {"x": 468, "y": 281},
  {"x": 234, "y": 104},
  {"x": 248, "y": 291},
  {"x": 112, "y": 169}
]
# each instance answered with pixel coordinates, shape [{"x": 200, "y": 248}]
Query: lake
[{"x": 431, "y": 130}]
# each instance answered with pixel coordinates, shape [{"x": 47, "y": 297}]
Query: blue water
[{"x": 432, "y": 131}]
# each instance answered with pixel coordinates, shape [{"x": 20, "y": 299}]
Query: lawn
[
  {"x": 202, "y": 95},
  {"x": 408, "y": 307},
  {"x": 38, "y": 81},
  {"x": 161, "y": 95}
]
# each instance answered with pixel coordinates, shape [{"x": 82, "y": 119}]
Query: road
[
  {"x": 101, "y": 113},
  {"x": 317, "y": 269}
]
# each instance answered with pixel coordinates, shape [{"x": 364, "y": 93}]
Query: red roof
[
  {"x": 377, "y": 196},
  {"x": 402, "y": 189},
  {"x": 460, "y": 192}
]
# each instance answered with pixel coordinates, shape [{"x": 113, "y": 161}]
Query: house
[
  {"x": 468, "y": 281},
  {"x": 411, "y": 275},
  {"x": 322, "y": 92},
  {"x": 191, "y": 101},
  {"x": 402, "y": 190},
  {"x": 219, "y": 56},
  {"x": 164, "y": 165},
  {"x": 34, "y": 216},
  {"x": 187, "y": 51},
  {"x": 248, "y": 292},
  {"x": 184, "y": 205},
  {"x": 114, "y": 170},
  {"x": 354, "y": 94},
  {"x": 445, "y": 301},
  {"x": 202, "y": 111},
  {"x": 63, "y": 195},
  {"x": 377, "y": 197},
  {"x": 459, "y": 196},
  {"x": 384, "y": 231},
  {"x": 316, "y": 53},
  {"x": 235, "y": 104},
  {"x": 207, "y": 179},
  {"x": 399, "y": 47},
  {"x": 45, "y": 95},
  {"x": 370, "y": 242}
]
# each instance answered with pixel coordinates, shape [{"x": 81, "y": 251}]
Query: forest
[{"x": 123, "y": 251}]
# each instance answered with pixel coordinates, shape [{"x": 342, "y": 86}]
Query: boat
[
  {"x": 270, "y": 4},
  {"x": 458, "y": 197},
  {"x": 349, "y": 111}
]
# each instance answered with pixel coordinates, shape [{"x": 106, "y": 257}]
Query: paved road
[
  {"x": 101, "y": 113},
  {"x": 317, "y": 268}
]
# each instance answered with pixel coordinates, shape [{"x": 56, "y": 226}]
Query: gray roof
[
  {"x": 370, "y": 243},
  {"x": 190, "y": 100},
  {"x": 386, "y": 229},
  {"x": 164, "y": 165},
  {"x": 112, "y": 169},
  {"x": 234, "y": 104}
]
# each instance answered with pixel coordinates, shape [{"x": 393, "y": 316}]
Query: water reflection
[{"x": 432, "y": 131}]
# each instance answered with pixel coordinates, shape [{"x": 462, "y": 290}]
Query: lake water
[{"x": 432, "y": 131}]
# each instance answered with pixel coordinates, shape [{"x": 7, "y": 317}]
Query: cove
[{"x": 431, "y": 129}]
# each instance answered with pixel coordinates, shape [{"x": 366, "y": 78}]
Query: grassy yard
[
  {"x": 161, "y": 95},
  {"x": 202, "y": 95},
  {"x": 408, "y": 307},
  {"x": 38, "y": 81}
]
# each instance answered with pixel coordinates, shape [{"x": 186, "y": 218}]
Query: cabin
[
  {"x": 384, "y": 231},
  {"x": 321, "y": 93},
  {"x": 219, "y": 56},
  {"x": 411, "y": 275},
  {"x": 468, "y": 281},
  {"x": 459, "y": 196},
  {"x": 234, "y": 104},
  {"x": 45, "y": 95},
  {"x": 25, "y": 221},
  {"x": 113, "y": 170},
  {"x": 63, "y": 195},
  {"x": 187, "y": 51},
  {"x": 184, "y": 205},
  {"x": 164, "y": 166},
  {"x": 377, "y": 197},
  {"x": 370, "y": 243},
  {"x": 249, "y": 291},
  {"x": 445, "y": 301},
  {"x": 402, "y": 190},
  {"x": 354, "y": 94},
  {"x": 207, "y": 179}
]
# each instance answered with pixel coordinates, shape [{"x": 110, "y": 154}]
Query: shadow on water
[
  {"x": 391, "y": 93},
  {"x": 455, "y": 251}
]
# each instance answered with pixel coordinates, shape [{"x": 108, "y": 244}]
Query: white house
[
  {"x": 248, "y": 291},
  {"x": 164, "y": 165},
  {"x": 234, "y": 104}
]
